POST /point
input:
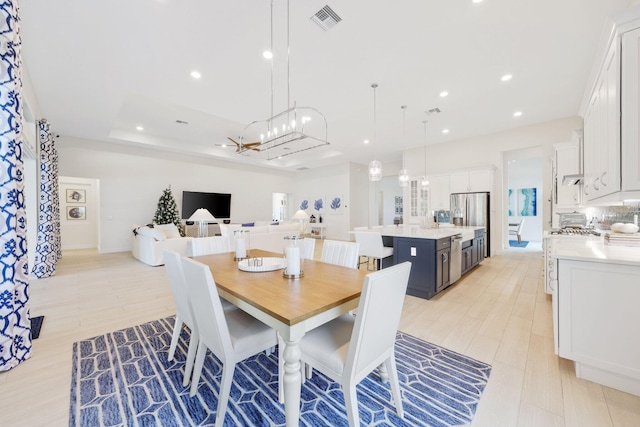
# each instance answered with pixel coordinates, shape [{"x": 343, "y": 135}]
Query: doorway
[
  {"x": 524, "y": 193},
  {"x": 279, "y": 207}
]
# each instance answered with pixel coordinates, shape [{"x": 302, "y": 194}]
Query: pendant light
[
  {"x": 375, "y": 167},
  {"x": 403, "y": 175},
  {"x": 425, "y": 181}
]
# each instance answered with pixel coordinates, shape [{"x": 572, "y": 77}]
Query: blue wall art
[
  {"x": 512, "y": 202},
  {"x": 335, "y": 204},
  {"x": 527, "y": 202}
]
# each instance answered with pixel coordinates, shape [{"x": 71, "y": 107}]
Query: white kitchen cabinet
[
  {"x": 610, "y": 110},
  {"x": 630, "y": 98},
  {"x": 602, "y": 129},
  {"x": 440, "y": 189},
  {"x": 472, "y": 181},
  {"x": 597, "y": 319},
  {"x": 567, "y": 162},
  {"x": 415, "y": 202}
]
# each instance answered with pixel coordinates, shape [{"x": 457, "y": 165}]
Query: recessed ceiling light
[
  {"x": 445, "y": 131},
  {"x": 267, "y": 54},
  {"x": 517, "y": 114},
  {"x": 196, "y": 74},
  {"x": 139, "y": 128},
  {"x": 506, "y": 77},
  {"x": 444, "y": 94},
  {"x": 477, "y": 1},
  {"x": 366, "y": 141}
]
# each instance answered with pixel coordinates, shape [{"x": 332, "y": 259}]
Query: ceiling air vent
[
  {"x": 303, "y": 168},
  {"x": 326, "y": 18},
  {"x": 433, "y": 111}
]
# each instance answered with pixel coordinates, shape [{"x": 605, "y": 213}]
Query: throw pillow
[
  {"x": 248, "y": 224},
  {"x": 154, "y": 233},
  {"x": 170, "y": 230}
]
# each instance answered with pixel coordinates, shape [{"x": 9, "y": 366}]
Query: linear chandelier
[{"x": 291, "y": 131}]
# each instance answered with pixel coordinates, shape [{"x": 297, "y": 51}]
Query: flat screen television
[{"x": 219, "y": 204}]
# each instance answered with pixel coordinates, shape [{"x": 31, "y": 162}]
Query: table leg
[{"x": 292, "y": 382}]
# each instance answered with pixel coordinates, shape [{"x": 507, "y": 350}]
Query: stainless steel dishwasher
[{"x": 455, "y": 263}]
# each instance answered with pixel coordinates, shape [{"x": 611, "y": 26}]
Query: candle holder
[
  {"x": 241, "y": 239},
  {"x": 293, "y": 254}
]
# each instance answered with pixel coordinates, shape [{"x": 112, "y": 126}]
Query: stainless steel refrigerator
[{"x": 473, "y": 209}]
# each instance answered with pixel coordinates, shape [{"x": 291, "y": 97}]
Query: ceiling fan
[{"x": 243, "y": 147}]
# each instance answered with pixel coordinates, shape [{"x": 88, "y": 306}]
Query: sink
[{"x": 446, "y": 225}]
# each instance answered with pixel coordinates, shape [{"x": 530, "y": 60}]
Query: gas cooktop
[{"x": 575, "y": 232}]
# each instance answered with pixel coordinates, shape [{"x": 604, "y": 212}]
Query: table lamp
[
  {"x": 301, "y": 216},
  {"x": 202, "y": 217}
]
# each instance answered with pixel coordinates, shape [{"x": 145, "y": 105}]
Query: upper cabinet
[
  {"x": 472, "y": 181},
  {"x": 602, "y": 130},
  {"x": 610, "y": 112},
  {"x": 440, "y": 188},
  {"x": 567, "y": 162},
  {"x": 631, "y": 111}
]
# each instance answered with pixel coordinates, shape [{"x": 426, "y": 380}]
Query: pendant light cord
[
  {"x": 375, "y": 127},
  {"x": 404, "y": 133}
]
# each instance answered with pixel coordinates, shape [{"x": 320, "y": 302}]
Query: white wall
[
  {"x": 489, "y": 150},
  {"x": 389, "y": 188},
  {"x": 132, "y": 181},
  {"x": 326, "y": 182},
  {"x": 79, "y": 233}
]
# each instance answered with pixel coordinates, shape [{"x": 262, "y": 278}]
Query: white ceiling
[{"x": 102, "y": 67}]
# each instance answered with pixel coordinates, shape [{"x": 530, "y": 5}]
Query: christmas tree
[{"x": 167, "y": 212}]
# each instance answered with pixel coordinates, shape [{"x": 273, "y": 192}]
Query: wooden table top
[{"x": 323, "y": 287}]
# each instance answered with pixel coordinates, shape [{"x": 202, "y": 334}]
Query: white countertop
[
  {"x": 415, "y": 231},
  {"x": 592, "y": 249}
]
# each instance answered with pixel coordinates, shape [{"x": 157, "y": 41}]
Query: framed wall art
[
  {"x": 76, "y": 196},
  {"x": 76, "y": 213}
]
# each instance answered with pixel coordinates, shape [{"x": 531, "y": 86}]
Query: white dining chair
[
  {"x": 231, "y": 336},
  {"x": 184, "y": 315},
  {"x": 360, "y": 228},
  {"x": 518, "y": 230},
  {"x": 347, "y": 349},
  {"x": 372, "y": 248},
  {"x": 208, "y": 245},
  {"x": 308, "y": 247},
  {"x": 340, "y": 253}
]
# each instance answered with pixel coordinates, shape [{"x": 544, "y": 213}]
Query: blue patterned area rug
[
  {"x": 515, "y": 244},
  {"x": 123, "y": 379}
]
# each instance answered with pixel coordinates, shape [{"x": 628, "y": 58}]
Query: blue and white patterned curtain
[
  {"x": 15, "y": 326},
  {"x": 48, "y": 249}
]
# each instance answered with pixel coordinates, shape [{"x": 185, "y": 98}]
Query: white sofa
[
  {"x": 265, "y": 236},
  {"x": 148, "y": 243}
]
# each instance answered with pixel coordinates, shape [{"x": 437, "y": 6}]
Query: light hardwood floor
[{"x": 498, "y": 314}]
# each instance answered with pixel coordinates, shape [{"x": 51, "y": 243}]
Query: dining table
[{"x": 290, "y": 306}]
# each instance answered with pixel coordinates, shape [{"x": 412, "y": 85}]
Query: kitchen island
[
  {"x": 595, "y": 310},
  {"x": 437, "y": 260}
]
